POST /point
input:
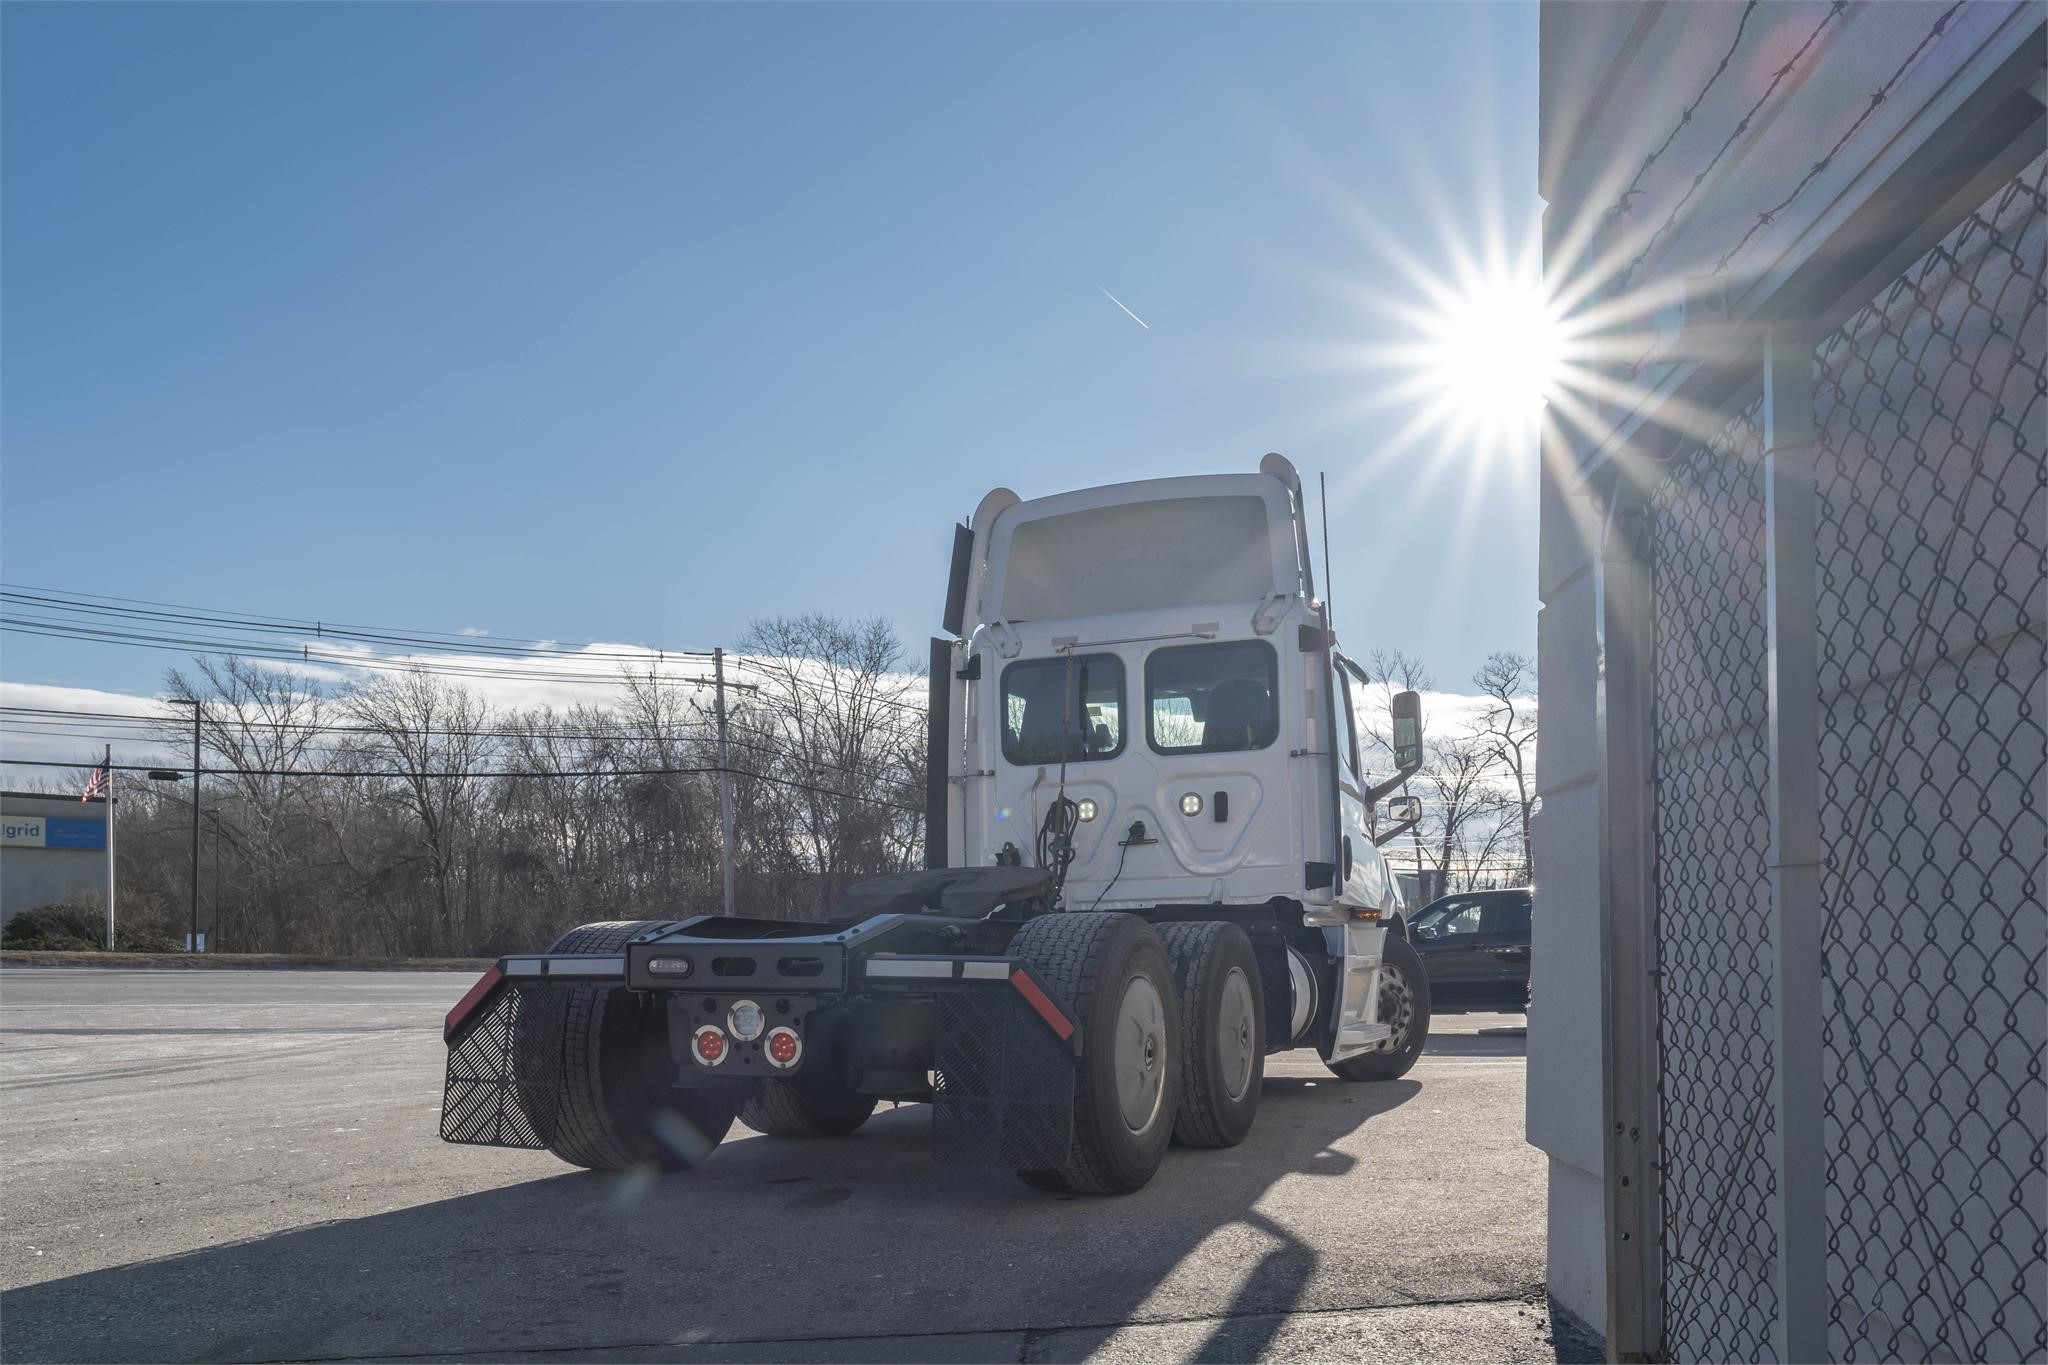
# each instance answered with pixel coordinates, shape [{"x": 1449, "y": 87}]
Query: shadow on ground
[{"x": 783, "y": 1240}]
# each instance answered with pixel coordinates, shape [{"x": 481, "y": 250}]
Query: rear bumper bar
[{"x": 881, "y": 973}]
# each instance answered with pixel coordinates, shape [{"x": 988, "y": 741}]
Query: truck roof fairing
[{"x": 1152, "y": 544}]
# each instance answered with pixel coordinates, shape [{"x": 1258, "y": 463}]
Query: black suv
[{"x": 1475, "y": 947}]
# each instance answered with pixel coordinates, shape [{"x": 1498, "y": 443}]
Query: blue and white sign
[
  {"x": 52, "y": 831},
  {"x": 59, "y": 832}
]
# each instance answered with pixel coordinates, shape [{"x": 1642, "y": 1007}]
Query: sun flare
[{"x": 1494, "y": 351}]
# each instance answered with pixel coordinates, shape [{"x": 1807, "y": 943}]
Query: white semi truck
[{"x": 1152, "y": 860}]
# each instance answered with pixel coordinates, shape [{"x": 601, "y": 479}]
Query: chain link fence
[
  {"x": 1931, "y": 409},
  {"x": 1717, "y": 1178},
  {"x": 1931, "y": 415}
]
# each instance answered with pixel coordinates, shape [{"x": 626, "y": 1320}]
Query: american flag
[{"x": 101, "y": 780}]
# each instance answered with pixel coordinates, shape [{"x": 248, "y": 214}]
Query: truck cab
[{"x": 1143, "y": 695}]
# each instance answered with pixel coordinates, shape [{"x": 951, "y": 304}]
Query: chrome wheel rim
[
  {"x": 1140, "y": 1057},
  {"x": 1397, "y": 1006},
  {"x": 1236, "y": 1033}
]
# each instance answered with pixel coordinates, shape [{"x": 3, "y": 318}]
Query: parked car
[{"x": 1475, "y": 947}]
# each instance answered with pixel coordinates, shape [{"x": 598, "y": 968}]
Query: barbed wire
[
  {"x": 1742, "y": 126},
  {"x": 1621, "y": 203},
  {"x": 1768, "y": 216}
]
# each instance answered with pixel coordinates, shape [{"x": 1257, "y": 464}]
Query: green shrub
[{"x": 70, "y": 927}]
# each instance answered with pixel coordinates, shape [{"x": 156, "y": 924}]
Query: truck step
[{"x": 1361, "y": 1035}]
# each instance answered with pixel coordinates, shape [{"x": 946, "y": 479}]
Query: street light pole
[{"x": 192, "y": 943}]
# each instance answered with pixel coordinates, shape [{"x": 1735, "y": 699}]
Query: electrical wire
[{"x": 391, "y": 774}]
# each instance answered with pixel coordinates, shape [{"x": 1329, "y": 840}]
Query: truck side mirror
[
  {"x": 1406, "y": 712},
  {"x": 1405, "y": 812},
  {"x": 1407, "y": 716}
]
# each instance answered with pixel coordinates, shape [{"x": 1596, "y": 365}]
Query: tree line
[{"x": 409, "y": 815}]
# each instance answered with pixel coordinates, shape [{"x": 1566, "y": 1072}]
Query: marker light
[
  {"x": 784, "y": 1047},
  {"x": 670, "y": 966},
  {"x": 1191, "y": 804},
  {"x": 1085, "y": 809},
  {"x": 745, "y": 1020},
  {"x": 709, "y": 1045}
]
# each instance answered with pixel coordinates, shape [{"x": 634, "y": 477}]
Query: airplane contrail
[{"x": 1120, "y": 303}]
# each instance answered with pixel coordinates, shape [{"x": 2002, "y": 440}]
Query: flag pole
[{"x": 110, "y": 847}]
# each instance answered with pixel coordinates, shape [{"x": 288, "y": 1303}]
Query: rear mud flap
[
  {"x": 504, "y": 1083},
  {"x": 1004, "y": 1095}
]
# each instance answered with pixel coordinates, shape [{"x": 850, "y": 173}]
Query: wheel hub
[
  {"x": 1140, "y": 1047},
  {"x": 1235, "y": 1033},
  {"x": 1397, "y": 1007}
]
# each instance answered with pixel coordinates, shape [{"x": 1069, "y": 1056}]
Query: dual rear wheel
[
  {"x": 598, "y": 1082},
  {"x": 1172, "y": 1023}
]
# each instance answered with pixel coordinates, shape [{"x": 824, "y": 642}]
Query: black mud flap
[
  {"x": 504, "y": 1084},
  {"x": 1004, "y": 1095}
]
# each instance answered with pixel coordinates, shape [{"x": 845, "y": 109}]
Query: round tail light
[
  {"x": 709, "y": 1045},
  {"x": 784, "y": 1047}
]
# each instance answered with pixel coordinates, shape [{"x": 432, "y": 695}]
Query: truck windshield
[
  {"x": 1039, "y": 709},
  {"x": 1205, "y": 699}
]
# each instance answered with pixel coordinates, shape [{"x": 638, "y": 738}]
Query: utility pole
[
  {"x": 724, "y": 776},
  {"x": 109, "y": 765},
  {"x": 192, "y": 944}
]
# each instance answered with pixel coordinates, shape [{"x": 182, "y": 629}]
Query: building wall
[
  {"x": 1866, "y": 176},
  {"x": 36, "y": 868}
]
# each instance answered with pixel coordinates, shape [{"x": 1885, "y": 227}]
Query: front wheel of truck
[
  {"x": 603, "y": 1051},
  {"x": 1404, "y": 1003}
]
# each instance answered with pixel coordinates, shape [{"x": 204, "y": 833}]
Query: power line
[
  {"x": 147, "y": 609},
  {"x": 91, "y": 722},
  {"x": 623, "y": 738},
  {"x": 309, "y": 654},
  {"x": 401, "y": 775}
]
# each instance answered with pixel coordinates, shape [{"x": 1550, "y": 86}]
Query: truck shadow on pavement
[{"x": 853, "y": 1243}]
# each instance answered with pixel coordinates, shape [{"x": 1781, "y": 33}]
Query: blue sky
[{"x": 630, "y": 323}]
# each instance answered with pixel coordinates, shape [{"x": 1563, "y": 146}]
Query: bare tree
[
  {"x": 428, "y": 733},
  {"x": 257, "y": 724},
  {"x": 1508, "y": 728},
  {"x": 1461, "y": 809},
  {"x": 833, "y": 730}
]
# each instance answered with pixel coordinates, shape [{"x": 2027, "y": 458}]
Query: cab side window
[{"x": 1347, "y": 702}]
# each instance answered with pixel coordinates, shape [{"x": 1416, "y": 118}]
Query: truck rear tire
[
  {"x": 1223, "y": 1041},
  {"x": 1404, "y": 1003},
  {"x": 618, "y": 1107},
  {"x": 1112, "y": 972},
  {"x": 783, "y": 1109}
]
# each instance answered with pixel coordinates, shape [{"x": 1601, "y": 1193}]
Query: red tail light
[
  {"x": 784, "y": 1047},
  {"x": 709, "y": 1045}
]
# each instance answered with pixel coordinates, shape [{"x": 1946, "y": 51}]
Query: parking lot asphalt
[{"x": 243, "y": 1165}]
